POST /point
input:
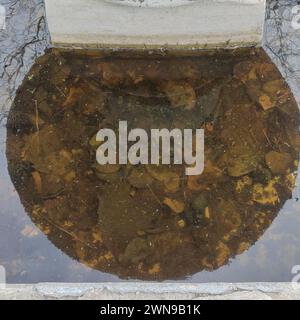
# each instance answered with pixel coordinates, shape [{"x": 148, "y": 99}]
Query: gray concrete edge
[{"x": 152, "y": 291}]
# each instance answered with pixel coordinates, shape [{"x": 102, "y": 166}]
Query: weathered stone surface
[
  {"x": 198, "y": 24},
  {"x": 152, "y": 291}
]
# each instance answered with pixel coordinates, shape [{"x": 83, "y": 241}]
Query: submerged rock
[
  {"x": 45, "y": 151},
  {"x": 180, "y": 94},
  {"x": 139, "y": 178},
  {"x": 242, "y": 131},
  {"x": 107, "y": 168},
  {"x": 200, "y": 202},
  {"x": 112, "y": 76},
  {"x": 242, "y": 166},
  {"x": 279, "y": 162},
  {"x": 137, "y": 250},
  {"x": 122, "y": 216},
  {"x": 167, "y": 176},
  {"x": 211, "y": 175}
]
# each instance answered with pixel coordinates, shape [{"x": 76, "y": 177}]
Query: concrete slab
[
  {"x": 153, "y": 291},
  {"x": 198, "y": 24}
]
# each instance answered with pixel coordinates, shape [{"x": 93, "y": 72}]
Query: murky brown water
[
  {"x": 27, "y": 253},
  {"x": 152, "y": 222}
]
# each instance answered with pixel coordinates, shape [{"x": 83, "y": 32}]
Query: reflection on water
[{"x": 153, "y": 222}]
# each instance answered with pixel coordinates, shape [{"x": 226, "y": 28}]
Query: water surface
[{"x": 73, "y": 221}]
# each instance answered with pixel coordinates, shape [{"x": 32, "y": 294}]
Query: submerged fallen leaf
[
  {"x": 180, "y": 94},
  {"x": 265, "y": 195},
  {"x": 266, "y": 102},
  {"x": 154, "y": 269},
  {"x": 74, "y": 94},
  {"x": 176, "y": 206},
  {"x": 279, "y": 162},
  {"x": 223, "y": 253},
  {"x": 170, "y": 179},
  {"x": 139, "y": 178},
  {"x": 37, "y": 181},
  {"x": 181, "y": 223}
]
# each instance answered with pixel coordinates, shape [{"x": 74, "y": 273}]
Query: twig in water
[{"x": 154, "y": 195}]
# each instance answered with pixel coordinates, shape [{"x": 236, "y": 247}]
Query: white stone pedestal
[{"x": 155, "y": 23}]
